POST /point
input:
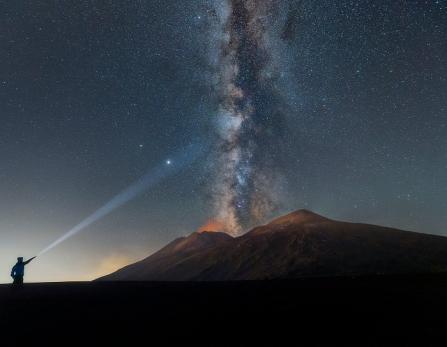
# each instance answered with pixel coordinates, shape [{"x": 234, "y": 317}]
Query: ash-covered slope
[
  {"x": 299, "y": 244},
  {"x": 175, "y": 261}
]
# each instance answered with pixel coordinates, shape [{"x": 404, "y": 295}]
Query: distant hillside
[{"x": 299, "y": 244}]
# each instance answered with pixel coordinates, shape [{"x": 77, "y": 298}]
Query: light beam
[{"x": 152, "y": 177}]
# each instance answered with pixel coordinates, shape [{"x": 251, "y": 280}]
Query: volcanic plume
[
  {"x": 212, "y": 225},
  {"x": 249, "y": 116}
]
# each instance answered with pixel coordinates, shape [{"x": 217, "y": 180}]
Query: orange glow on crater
[{"x": 212, "y": 225}]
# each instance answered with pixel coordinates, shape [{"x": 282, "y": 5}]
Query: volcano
[{"x": 299, "y": 244}]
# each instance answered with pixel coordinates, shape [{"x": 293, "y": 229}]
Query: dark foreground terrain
[{"x": 377, "y": 310}]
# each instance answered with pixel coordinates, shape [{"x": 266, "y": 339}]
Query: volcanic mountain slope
[{"x": 299, "y": 244}]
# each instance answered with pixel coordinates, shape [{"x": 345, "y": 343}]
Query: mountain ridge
[{"x": 300, "y": 243}]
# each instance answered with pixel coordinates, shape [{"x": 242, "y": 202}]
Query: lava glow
[{"x": 212, "y": 225}]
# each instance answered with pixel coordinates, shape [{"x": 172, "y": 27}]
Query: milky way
[
  {"x": 249, "y": 118},
  {"x": 338, "y": 107}
]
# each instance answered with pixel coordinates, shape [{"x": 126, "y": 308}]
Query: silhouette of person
[{"x": 18, "y": 270}]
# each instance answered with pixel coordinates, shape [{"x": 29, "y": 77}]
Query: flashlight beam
[{"x": 153, "y": 177}]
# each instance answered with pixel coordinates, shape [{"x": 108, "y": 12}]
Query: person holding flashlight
[{"x": 18, "y": 270}]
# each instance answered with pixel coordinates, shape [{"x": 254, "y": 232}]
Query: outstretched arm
[{"x": 28, "y": 261}]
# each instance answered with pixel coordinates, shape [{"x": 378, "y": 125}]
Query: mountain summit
[
  {"x": 298, "y": 244},
  {"x": 299, "y": 217}
]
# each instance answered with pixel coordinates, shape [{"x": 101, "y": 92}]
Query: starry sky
[{"x": 339, "y": 107}]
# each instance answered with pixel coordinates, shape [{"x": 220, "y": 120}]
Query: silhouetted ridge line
[{"x": 298, "y": 244}]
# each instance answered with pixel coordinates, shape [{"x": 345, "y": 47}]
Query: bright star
[{"x": 168, "y": 162}]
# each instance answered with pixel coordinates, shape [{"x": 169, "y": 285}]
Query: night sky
[{"x": 339, "y": 107}]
